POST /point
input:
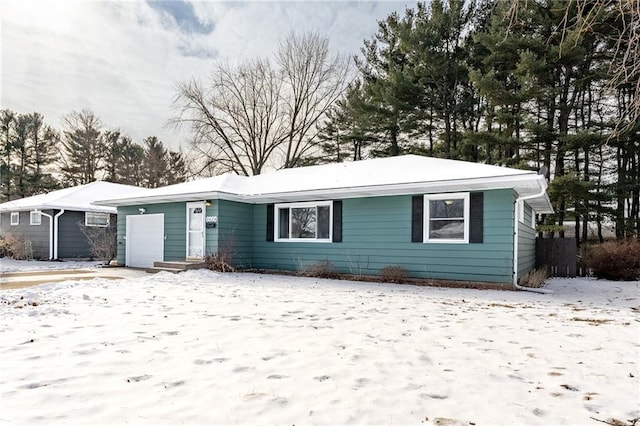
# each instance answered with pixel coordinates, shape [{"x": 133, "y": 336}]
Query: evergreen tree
[
  {"x": 83, "y": 148},
  {"x": 156, "y": 163},
  {"x": 7, "y": 121},
  {"x": 129, "y": 166},
  {"x": 177, "y": 171},
  {"x": 44, "y": 153}
]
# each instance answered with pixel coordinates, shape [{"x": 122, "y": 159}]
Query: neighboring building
[
  {"x": 50, "y": 223},
  {"x": 439, "y": 219}
]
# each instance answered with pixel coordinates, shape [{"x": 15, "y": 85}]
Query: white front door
[
  {"x": 195, "y": 230},
  {"x": 145, "y": 240}
]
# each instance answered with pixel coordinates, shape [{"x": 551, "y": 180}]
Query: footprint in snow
[{"x": 138, "y": 378}]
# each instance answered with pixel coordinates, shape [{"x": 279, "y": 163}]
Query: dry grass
[
  {"x": 423, "y": 282},
  {"x": 324, "y": 269},
  {"x": 394, "y": 274},
  {"x": 535, "y": 278}
]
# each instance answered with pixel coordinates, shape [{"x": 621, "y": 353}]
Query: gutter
[
  {"x": 450, "y": 185},
  {"x": 55, "y": 233},
  {"x": 543, "y": 189},
  {"x": 50, "y": 232}
]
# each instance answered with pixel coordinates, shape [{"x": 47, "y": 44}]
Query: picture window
[{"x": 303, "y": 222}]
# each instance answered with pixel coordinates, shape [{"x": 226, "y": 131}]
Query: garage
[{"x": 144, "y": 240}]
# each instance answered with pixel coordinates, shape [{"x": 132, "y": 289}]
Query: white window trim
[
  {"x": 32, "y": 215},
  {"x": 521, "y": 211},
  {"x": 86, "y": 221},
  {"x": 15, "y": 215},
  {"x": 533, "y": 219},
  {"x": 276, "y": 220},
  {"x": 426, "y": 220}
]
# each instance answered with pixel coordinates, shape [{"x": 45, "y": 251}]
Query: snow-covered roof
[
  {"x": 407, "y": 174},
  {"x": 79, "y": 198}
]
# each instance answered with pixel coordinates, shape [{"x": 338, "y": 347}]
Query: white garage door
[{"x": 145, "y": 240}]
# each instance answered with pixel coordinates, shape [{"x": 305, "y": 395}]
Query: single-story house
[
  {"x": 439, "y": 219},
  {"x": 49, "y": 223}
]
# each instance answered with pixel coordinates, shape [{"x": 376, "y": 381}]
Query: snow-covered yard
[
  {"x": 10, "y": 265},
  {"x": 207, "y": 348}
]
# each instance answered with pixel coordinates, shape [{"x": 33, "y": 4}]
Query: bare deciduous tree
[
  {"x": 253, "y": 114},
  {"x": 102, "y": 241},
  {"x": 314, "y": 81}
]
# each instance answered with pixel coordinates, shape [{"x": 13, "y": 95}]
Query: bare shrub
[
  {"x": 535, "y": 278},
  {"x": 615, "y": 260},
  {"x": 13, "y": 246},
  {"x": 222, "y": 260},
  {"x": 217, "y": 262},
  {"x": 394, "y": 274},
  {"x": 323, "y": 269},
  {"x": 102, "y": 241}
]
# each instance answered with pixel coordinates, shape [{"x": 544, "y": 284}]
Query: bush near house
[
  {"x": 324, "y": 269},
  {"x": 14, "y": 247},
  {"x": 102, "y": 241},
  {"x": 615, "y": 260},
  {"x": 394, "y": 274},
  {"x": 218, "y": 262}
]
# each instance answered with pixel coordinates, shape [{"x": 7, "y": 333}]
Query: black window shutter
[
  {"x": 337, "y": 221},
  {"x": 270, "y": 230},
  {"x": 476, "y": 211},
  {"x": 417, "y": 218}
]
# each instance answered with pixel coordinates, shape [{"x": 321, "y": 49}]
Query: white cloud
[{"x": 122, "y": 59}]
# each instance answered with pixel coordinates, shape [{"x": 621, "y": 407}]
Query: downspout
[
  {"x": 516, "y": 234},
  {"x": 55, "y": 233},
  {"x": 50, "y": 232}
]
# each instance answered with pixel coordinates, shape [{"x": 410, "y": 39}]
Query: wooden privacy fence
[{"x": 559, "y": 254}]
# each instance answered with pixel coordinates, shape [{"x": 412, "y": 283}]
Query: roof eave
[
  {"x": 520, "y": 183},
  {"x": 172, "y": 198},
  {"x": 32, "y": 207}
]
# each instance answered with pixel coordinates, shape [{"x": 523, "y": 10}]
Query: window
[
  {"x": 35, "y": 218},
  {"x": 303, "y": 222},
  {"x": 96, "y": 219},
  {"x": 15, "y": 218},
  {"x": 446, "y": 218}
]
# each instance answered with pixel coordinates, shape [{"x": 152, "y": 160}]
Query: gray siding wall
[
  {"x": 71, "y": 241},
  {"x": 377, "y": 233},
  {"x": 526, "y": 243},
  {"x": 38, "y": 235}
]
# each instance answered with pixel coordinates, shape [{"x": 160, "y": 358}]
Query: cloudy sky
[{"x": 122, "y": 59}]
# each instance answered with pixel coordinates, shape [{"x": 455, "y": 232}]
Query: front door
[{"x": 195, "y": 230}]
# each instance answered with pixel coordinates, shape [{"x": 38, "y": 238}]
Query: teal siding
[
  {"x": 234, "y": 223},
  {"x": 175, "y": 219},
  {"x": 235, "y": 232},
  {"x": 377, "y": 233},
  {"x": 526, "y": 243}
]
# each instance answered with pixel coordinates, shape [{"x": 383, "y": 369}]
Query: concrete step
[
  {"x": 156, "y": 269},
  {"x": 183, "y": 266}
]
